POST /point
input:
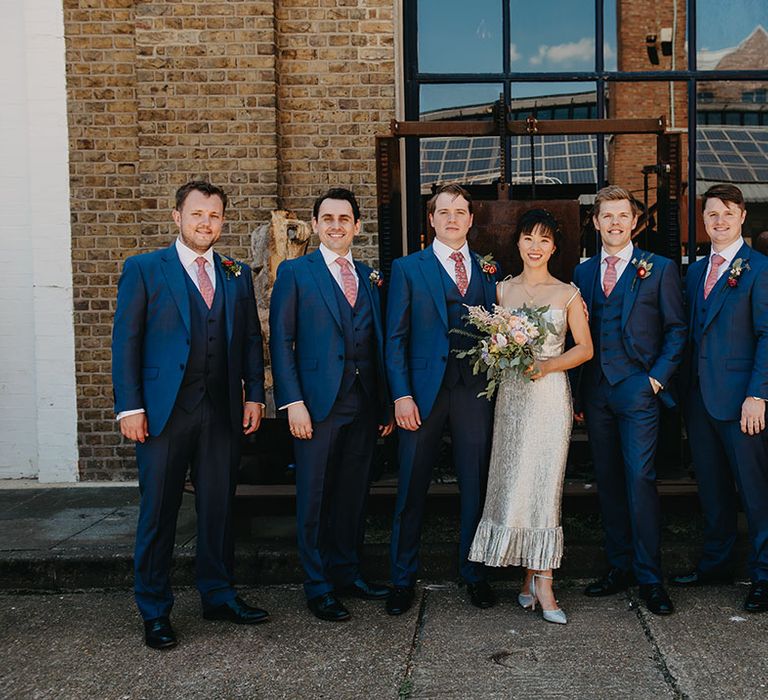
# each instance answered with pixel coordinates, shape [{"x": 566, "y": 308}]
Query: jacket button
[
  {"x": 181, "y": 366},
  {"x": 341, "y": 357},
  {"x": 444, "y": 358}
]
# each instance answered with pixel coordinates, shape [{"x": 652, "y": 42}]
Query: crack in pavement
[
  {"x": 658, "y": 655},
  {"x": 406, "y": 684}
]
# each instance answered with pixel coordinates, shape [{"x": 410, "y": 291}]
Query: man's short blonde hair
[{"x": 614, "y": 193}]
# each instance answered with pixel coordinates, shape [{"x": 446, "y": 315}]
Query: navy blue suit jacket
[
  {"x": 151, "y": 337},
  {"x": 417, "y": 326},
  {"x": 733, "y": 353},
  {"x": 652, "y": 316},
  {"x": 306, "y": 337}
]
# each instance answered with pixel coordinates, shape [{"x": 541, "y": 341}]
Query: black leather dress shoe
[
  {"x": 700, "y": 578},
  {"x": 237, "y": 611},
  {"x": 400, "y": 600},
  {"x": 159, "y": 634},
  {"x": 481, "y": 594},
  {"x": 656, "y": 599},
  {"x": 614, "y": 581},
  {"x": 359, "y": 588},
  {"x": 328, "y": 607},
  {"x": 757, "y": 598}
]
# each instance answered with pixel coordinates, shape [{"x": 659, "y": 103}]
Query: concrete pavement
[{"x": 88, "y": 645}]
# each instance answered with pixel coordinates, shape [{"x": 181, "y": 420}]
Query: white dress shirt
[
  {"x": 335, "y": 269},
  {"x": 624, "y": 256},
  {"x": 187, "y": 256},
  {"x": 728, "y": 253},
  {"x": 443, "y": 253}
]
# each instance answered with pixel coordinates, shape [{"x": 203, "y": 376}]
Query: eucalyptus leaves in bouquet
[{"x": 506, "y": 343}]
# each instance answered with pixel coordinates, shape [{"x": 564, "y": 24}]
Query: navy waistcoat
[
  {"x": 206, "y": 370},
  {"x": 455, "y": 368},
  {"x": 359, "y": 340}
]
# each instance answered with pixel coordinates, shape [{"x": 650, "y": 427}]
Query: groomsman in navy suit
[
  {"x": 727, "y": 377},
  {"x": 326, "y": 344},
  {"x": 428, "y": 293},
  {"x": 638, "y": 327},
  {"x": 188, "y": 377}
]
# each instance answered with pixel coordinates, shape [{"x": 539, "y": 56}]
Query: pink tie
[
  {"x": 609, "y": 279},
  {"x": 461, "y": 272},
  {"x": 347, "y": 280},
  {"x": 711, "y": 280},
  {"x": 206, "y": 288}
]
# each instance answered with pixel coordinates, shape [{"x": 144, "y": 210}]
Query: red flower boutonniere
[
  {"x": 643, "y": 268},
  {"x": 488, "y": 265},
  {"x": 376, "y": 279},
  {"x": 738, "y": 267},
  {"x": 231, "y": 267}
]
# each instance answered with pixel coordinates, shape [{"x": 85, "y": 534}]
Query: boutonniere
[
  {"x": 738, "y": 267},
  {"x": 487, "y": 264},
  {"x": 231, "y": 267},
  {"x": 376, "y": 279},
  {"x": 643, "y": 267}
]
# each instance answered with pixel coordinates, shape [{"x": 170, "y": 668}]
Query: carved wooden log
[{"x": 283, "y": 238}]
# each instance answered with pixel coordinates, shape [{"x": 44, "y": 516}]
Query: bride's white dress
[{"x": 520, "y": 525}]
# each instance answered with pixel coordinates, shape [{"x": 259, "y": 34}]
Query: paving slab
[
  {"x": 507, "y": 652},
  {"x": 90, "y": 646},
  {"x": 712, "y": 648}
]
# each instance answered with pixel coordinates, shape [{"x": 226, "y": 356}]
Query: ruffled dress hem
[{"x": 533, "y": 548}]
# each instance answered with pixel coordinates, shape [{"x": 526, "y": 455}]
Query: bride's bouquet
[{"x": 507, "y": 341}]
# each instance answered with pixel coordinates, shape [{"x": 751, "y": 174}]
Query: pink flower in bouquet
[
  {"x": 519, "y": 337},
  {"x": 500, "y": 339}
]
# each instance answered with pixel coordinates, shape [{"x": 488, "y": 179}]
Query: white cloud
[
  {"x": 514, "y": 54},
  {"x": 581, "y": 50}
]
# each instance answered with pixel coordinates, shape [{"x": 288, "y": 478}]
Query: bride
[{"x": 520, "y": 525}]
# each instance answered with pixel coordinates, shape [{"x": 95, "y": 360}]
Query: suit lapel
[
  {"x": 174, "y": 275},
  {"x": 694, "y": 286},
  {"x": 430, "y": 269},
  {"x": 229, "y": 296},
  {"x": 489, "y": 284},
  {"x": 631, "y": 285},
  {"x": 364, "y": 283},
  {"x": 721, "y": 291},
  {"x": 325, "y": 282},
  {"x": 592, "y": 275}
]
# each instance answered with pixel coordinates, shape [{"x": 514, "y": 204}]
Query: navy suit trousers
[
  {"x": 333, "y": 471},
  {"x": 623, "y": 427},
  {"x": 202, "y": 442},
  {"x": 470, "y": 420},
  {"x": 723, "y": 456}
]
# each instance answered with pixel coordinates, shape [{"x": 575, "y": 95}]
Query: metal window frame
[{"x": 601, "y": 77}]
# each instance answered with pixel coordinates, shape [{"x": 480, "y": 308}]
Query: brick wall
[
  {"x": 635, "y": 20},
  {"x": 336, "y": 89},
  {"x": 275, "y": 100}
]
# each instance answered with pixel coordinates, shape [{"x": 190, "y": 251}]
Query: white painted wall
[{"x": 38, "y": 413}]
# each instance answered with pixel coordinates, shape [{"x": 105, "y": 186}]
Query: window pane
[
  {"x": 468, "y": 101},
  {"x": 554, "y": 100},
  {"x": 470, "y": 161},
  {"x": 731, "y": 35},
  {"x": 460, "y": 37},
  {"x": 645, "y": 36},
  {"x": 733, "y": 146},
  {"x": 552, "y": 36}
]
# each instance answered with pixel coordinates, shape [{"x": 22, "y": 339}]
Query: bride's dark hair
[{"x": 543, "y": 219}]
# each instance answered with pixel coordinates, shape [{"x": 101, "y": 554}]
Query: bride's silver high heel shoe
[
  {"x": 556, "y": 616},
  {"x": 526, "y": 600}
]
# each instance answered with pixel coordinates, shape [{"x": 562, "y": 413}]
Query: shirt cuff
[
  {"x": 132, "y": 412},
  {"x": 407, "y": 396},
  {"x": 293, "y": 403}
]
